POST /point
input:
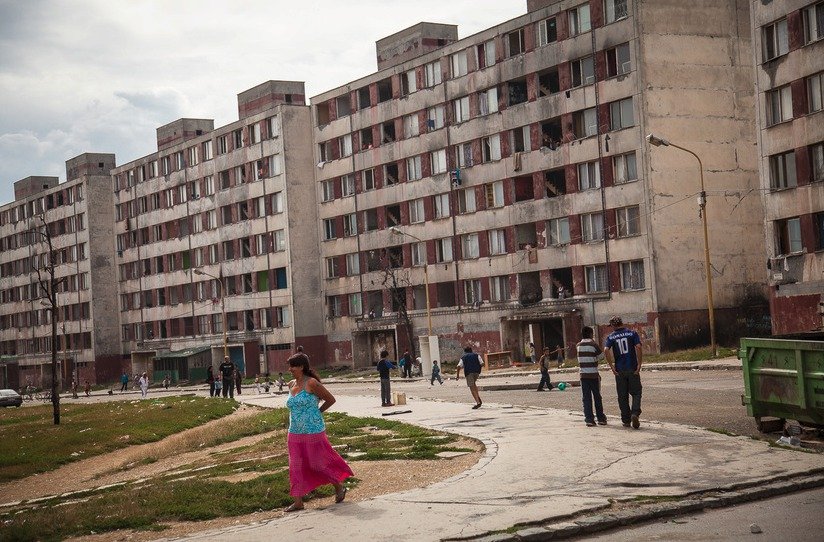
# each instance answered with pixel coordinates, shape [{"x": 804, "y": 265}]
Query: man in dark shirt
[
  {"x": 384, "y": 366},
  {"x": 472, "y": 370},
  {"x": 623, "y": 353},
  {"x": 227, "y": 373}
]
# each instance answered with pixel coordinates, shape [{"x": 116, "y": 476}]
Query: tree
[
  {"x": 396, "y": 280},
  {"x": 47, "y": 285}
]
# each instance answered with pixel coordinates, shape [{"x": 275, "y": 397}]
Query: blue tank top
[{"x": 304, "y": 414}]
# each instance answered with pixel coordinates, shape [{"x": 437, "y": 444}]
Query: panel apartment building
[
  {"x": 509, "y": 171},
  {"x": 215, "y": 239},
  {"x": 78, "y": 214},
  {"x": 789, "y": 75}
]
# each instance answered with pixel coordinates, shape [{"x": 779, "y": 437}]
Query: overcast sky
[{"x": 100, "y": 76}]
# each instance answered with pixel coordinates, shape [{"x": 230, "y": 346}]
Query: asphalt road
[
  {"x": 706, "y": 398},
  {"x": 791, "y": 518}
]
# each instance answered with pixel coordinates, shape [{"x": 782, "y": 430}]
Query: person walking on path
[
  {"x": 210, "y": 379},
  {"x": 623, "y": 353},
  {"x": 238, "y": 379},
  {"x": 312, "y": 460},
  {"x": 144, "y": 385},
  {"x": 588, "y": 355},
  {"x": 124, "y": 382},
  {"x": 227, "y": 375},
  {"x": 472, "y": 370},
  {"x": 436, "y": 374},
  {"x": 384, "y": 366},
  {"x": 545, "y": 381}
]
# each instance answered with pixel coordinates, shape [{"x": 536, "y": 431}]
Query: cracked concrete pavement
[{"x": 539, "y": 465}]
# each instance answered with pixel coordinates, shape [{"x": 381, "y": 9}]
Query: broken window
[
  {"x": 579, "y": 20},
  {"x": 408, "y": 83},
  {"x": 373, "y": 260},
  {"x": 491, "y": 148},
  {"x": 547, "y": 31},
  {"x": 370, "y": 220},
  {"x": 584, "y": 123},
  {"x": 466, "y": 201},
  {"x": 368, "y": 179},
  {"x": 366, "y": 138},
  {"x": 445, "y": 294},
  {"x": 463, "y": 155},
  {"x": 548, "y": 82},
  {"x": 432, "y": 73},
  {"x": 551, "y": 134},
  {"x": 384, "y": 90},
  {"x": 529, "y": 288},
  {"x": 245, "y": 248},
  {"x": 364, "y": 100},
  {"x": 494, "y": 194},
  {"x": 524, "y": 189},
  {"x": 517, "y": 91},
  {"x": 459, "y": 65},
  {"x": 343, "y": 106},
  {"x": 774, "y": 39},
  {"x": 583, "y": 71},
  {"x": 411, "y": 126},
  {"x": 486, "y": 54},
  {"x": 561, "y": 283},
  {"x": 393, "y": 215},
  {"x": 488, "y": 101},
  {"x": 520, "y": 139},
  {"x": 325, "y": 151},
  {"x": 515, "y": 42},
  {"x": 388, "y": 132},
  {"x": 394, "y": 257},
  {"x": 390, "y": 173},
  {"x": 618, "y": 62},
  {"x": 398, "y": 298},
  {"x": 435, "y": 117}
]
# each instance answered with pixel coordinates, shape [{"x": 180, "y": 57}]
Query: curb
[{"x": 564, "y": 528}]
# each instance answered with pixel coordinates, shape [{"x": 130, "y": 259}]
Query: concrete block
[{"x": 533, "y": 534}]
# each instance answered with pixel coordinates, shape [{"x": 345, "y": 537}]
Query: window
[
  {"x": 458, "y": 63},
  {"x": 584, "y": 123},
  {"x": 350, "y": 225},
  {"x": 343, "y": 106},
  {"x": 441, "y": 204},
  {"x": 329, "y": 229},
  {"x": 211, "y": 219},
  {"x": 463, "y": 155},
  {"x": 813, "y": 22},
  {"x": 547, "y": 31},
  {"x": 165, "y": 165},
  {"x": 237, "y": 138},
  {"x": 331, "y": 268},
  {"x": 466, "y": 200},
  {"x": 333, "y": 305},
  {"x": 325, "y": 150},
  {"x": 208, "y": 185},
  {"x": 486, "y": 54},
  {"x": 353, "y": 264},
  {"x": 618, "y": 62},
  {"x": 347, "y": 185},
  {"x": 628, "y": 221},
  {"x": 815, "y": 92},
  {"x": 277, "y": 202},
  {"x": 782, "y": 171},
  {"x": 615, "y": 10},
  {"x": 413, "y": 168},
  {"x": 207, "y": 152},
  {"x": 596, "y": 278},
  {"x": 592, "y": 227},
  {"x": 819, "y": 231},
  {"x": 355, "y": 304},
  {"x": 432, "y": 73},
  {"x": 262, "y": 243},
  {"x": 411, "y": 127},
  {"x": 280, "y": 240},
  {"x": 192, "y": 156},
  {"x": 499, "y": 288},
  {"x": 254, "y": 133},
  {"x": 579, "y": 21},
  {"x": 418, "y": 251},
  {"x": 364, "y": 99},
  {"x": 416, "y": 212},
  {"x": 774, "y": 40},
  {"x": 621, "y": 115},
  {"x": 223, "y": 144},
  {"x": 438, "y": 161},
  {"x": 272, "y": 127},
  {"x": 624, "y": 168},
  {"x": 443, "y": 250},
  {"x": 817, "y": 162},
  {"x": 788, "y": 236},
  {"x": 632, "y": 275},
  {"x": 470, "y": 248},
  {"x": 494, "y": 194},
  {"x": 583, "y": 71},
  {"x": 327, "y": 190},
  {"x": 559, "y": 231},
  {"x": 345, "y": 143},
  {"x": 779, "y": 105},
  {"x": 515, "y": 43},
  {"x": 589, "y": 176},
  {"x": 497, "y": 241},
  {"x": 435, "y": 117},
  {"x": 472, "y": 292},
  {"x": 461, "y": 109},
  {"x": 488, "y": 101},
  {"x": 491, "y": 148},
  {"x": 368, "y": 179},
  {"x": 408, "y": 83}
]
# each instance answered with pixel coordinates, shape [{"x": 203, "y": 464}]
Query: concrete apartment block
[
  {"x": 413, "y": 42},
  {"x": 82, "y": 241},
  {"x": 221, "y": 218},
  {"x": 514, "y": 163},
  {"x": 788, "y": 54}
]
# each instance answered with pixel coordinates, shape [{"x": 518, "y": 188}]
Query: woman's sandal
[
  {"x": 340, "y": 494},
  {"x": 294, "y": 508}
]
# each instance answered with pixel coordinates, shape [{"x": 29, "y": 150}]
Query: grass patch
[
  {"x": 721, "y": 431},
  {"x": 693, "y": 354},
  {"x": 89, "y": 430}
]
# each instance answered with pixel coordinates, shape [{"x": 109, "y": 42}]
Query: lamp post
[
  {"x": 702, "y": 204},
  {"x": 222, "y": 308},
  {"x": 397, "y": 231}
]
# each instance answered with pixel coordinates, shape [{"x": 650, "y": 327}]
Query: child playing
[
  {"x": 281, "y": 382},
  {"x": 436, "y": 374},
  {"x": 218, "y": 386},
  {"x": 588, "y": 355}
]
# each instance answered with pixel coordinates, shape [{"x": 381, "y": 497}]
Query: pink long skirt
[{"x": 313, "y": 463}]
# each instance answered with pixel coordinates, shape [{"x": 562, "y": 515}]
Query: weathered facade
[
  {"x": 788, "y": 55},
  {"x": 509, "y": 171},
  {"x": 78, "y": 215},
  {"x": 221, "y": 222}
]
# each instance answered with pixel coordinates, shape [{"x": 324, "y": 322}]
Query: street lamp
[
  {"x": 222, "y": 308},
  {"x": 397, "y": 231},
  {"x": 702, "y": 204}
]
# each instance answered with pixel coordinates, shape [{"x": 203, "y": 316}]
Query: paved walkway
[{"x": 539, "y": 464}]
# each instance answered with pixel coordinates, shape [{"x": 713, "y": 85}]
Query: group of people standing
[{"x": 227, "y": 379}]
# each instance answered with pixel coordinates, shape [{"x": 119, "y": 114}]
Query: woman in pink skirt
[{"x": 312, "y": 461}]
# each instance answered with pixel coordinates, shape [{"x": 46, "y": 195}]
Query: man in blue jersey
[
  {"x": 472, "y": 365},
  {"x": 623, "y": 353}
]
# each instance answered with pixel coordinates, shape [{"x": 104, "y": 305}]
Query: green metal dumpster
[{"x": 783, "y": 379}]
